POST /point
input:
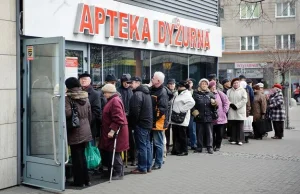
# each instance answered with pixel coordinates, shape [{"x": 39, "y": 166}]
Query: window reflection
[{"x": 173, "y": 65}]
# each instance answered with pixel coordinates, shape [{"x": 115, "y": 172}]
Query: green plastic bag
[{"x": 93, "y": 157}]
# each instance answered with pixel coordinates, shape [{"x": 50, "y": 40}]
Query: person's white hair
[{"x": 160, "y": 76}]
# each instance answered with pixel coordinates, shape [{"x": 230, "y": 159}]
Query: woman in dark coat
[
  {"x": 113, "y": 118},
  {"x": 203, "y": 112},
  {"x": 78, "y": 137}
]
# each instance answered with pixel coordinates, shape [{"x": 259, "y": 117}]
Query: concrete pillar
[{"x": 8, "y": 110}]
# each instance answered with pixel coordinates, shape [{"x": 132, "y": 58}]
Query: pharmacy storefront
[{"x": 101, "y": 37}]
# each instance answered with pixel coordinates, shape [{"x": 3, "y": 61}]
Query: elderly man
[
  {"x": 160, "y": 98},
  {"x": 141, "y": 119},
  {"x": 94, "y": 98}
]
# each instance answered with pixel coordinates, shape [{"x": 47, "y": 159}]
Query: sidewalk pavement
[{"x": 263, "y": 166}]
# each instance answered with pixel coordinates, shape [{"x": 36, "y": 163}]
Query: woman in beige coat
[{"x": 237, "y": 111}]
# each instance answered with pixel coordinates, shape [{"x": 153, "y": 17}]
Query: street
[{"x": 263, "y": 166}]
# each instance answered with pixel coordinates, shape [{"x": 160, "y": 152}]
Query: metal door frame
[{"x": 60, "y": 163}]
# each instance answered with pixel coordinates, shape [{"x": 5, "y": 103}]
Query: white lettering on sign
[
  {"x": 247, "y": 65},
  {"x": 126, "y": 26}
]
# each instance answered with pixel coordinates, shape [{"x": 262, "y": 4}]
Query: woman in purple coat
[
  {"x": 219, "y": 124},
  {"x": 113, "y": 118}
]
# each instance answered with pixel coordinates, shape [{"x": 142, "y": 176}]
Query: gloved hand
[
  {"x": 233, "y": 106},
  {"x": 195, "y": 113}
]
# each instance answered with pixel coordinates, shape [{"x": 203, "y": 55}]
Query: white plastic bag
[{"x": 248, "y": 124}]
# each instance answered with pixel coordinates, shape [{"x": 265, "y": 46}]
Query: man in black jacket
[
  {"x": 141, "y": 119},
  {"x": 94, "y": 98}
]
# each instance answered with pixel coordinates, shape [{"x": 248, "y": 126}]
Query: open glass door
[{"x": 44, "y": 135}]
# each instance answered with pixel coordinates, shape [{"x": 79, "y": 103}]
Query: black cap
[
  {"x": 85, "y": 74},
  {"x": 242, "y": 77},
  {"x": 171, "y": 81},
  {"x": 125, "y": 78},
  {"x": 249, "y": 81},
  {"x": 136, "y": 78},
  {"x": 72, "y": 82},
  {"x": 183, "y": 83},
  {"x": 110, "y": 77},
  {"x": 225, "y": 81},
  {"x": 212, "y": 76}
]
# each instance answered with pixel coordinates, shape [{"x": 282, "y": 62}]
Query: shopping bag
[
  {"x": 93, "y": 157},
  {"x": 248, "y": 124},
  {"x": 262, "y": 126}
]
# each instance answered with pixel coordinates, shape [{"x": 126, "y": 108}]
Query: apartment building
[{"x": 249, "y": 30}]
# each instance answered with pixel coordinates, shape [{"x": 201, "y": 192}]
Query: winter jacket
[
  {"x": 160, "y": 98},
  {"x": 248, "y": 105},
  {"x": 126, "y": 94},
  {"x": 81, "y": 102},
  {"x": 204, "y": 108},
  {"x": 182, "y": 103},
  {"x": 140, "y": 108},
  {"x": 251, "y": 93},
  {"x": 94, "y": 98},
  {"x": 276, "y": 110},
  {"x": 239, "y": 98},
  {"x": 113, "y": 118},
  {"x": 223, "y": 107},
  {"x": 259, "y": 105}
]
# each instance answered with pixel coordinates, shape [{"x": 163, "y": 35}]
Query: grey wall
[{"x": 200, "y": 10}]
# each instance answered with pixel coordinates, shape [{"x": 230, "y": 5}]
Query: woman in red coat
[{"x": 113, "y": 118}]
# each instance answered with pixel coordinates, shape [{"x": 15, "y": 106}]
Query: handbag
[
  {"x": 262, "y": 126},
  {"x": 73, "y": 122},
  {"x": 178, "y": 117}
]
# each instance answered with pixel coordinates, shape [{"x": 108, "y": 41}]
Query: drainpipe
[
  {"x": 219, "y": 25},
  {"x": 18, "y": 87}
]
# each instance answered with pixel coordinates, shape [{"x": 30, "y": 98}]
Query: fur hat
[
  {"x": 277, "y": 86},
  {"x": 183, "y": 83},
  {"x": 109, "y": 88},
  {"x": 234, "y": 80},
  {"x": 72, "y": 82},
  {"x": 212, "y": 83},
  {"x": 110, "y": 77},
  {"x": 204, "y": 80}
]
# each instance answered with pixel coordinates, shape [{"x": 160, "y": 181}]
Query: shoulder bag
[
  {"x": 73, "y": 122},
  {"x": 177, "y": 117}
]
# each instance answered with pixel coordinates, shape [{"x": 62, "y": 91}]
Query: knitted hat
[
  {"x": 183, "y": 83},
  {"x": 109, "y": 88},
  {"x": 234, "y": 80},
  {"x": 225, "y": 81},
  {"x": 277, "y": 86},
  {"x": 110, "y": 77},
  {"x": 211, "y": 84},
  {"x": 203, "y": 80},
  {"x": 72, "y": 82},
  {"x": 261, "y": 85}
]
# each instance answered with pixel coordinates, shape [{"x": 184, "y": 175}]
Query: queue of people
[{"x": 150, "y": 120}]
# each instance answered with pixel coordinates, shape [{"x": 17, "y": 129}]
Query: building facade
[
  {"x": 46, "y": 42},
  {"x": 251, "y": 29}
]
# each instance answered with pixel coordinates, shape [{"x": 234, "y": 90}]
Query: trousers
[
  {"x": 204, "y": 130},
  {"x": 179, "y": 139}
]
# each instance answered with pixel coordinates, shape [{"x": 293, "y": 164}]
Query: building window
[
  {"x": 249, "y": 43},
  {"x": 221, "y": 12},
  {"x": 223, "y": 44},
  {"x": 286, "y": 41},
  {"x": 286, "y": 9},
  {"x": 249, "y": 11}
]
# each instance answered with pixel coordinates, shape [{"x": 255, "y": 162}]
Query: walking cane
[{"x": 114, "y": 152}]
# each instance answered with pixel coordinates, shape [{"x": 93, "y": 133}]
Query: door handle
[
  {"x": 53, "y": 129},
  {"x": 66, "y": 143}
]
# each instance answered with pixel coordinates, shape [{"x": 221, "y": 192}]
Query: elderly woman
[
  {"x": 258, "y": 110},
  {"x": 220, "y": 123},
  {"x": 113, "y": 119},
  {"x": 77, "y": 100},
  {"x": 276, "y": 111},
  {"x": 203, "y": 112},
  {"x": 181, "y": 103},
  {"x": 237, "y": 112}
]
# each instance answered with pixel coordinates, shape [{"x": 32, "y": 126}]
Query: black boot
[{"x": 209, "y": 150}]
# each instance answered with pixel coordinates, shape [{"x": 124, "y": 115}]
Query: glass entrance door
[{"x": 44, "y": 135}]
